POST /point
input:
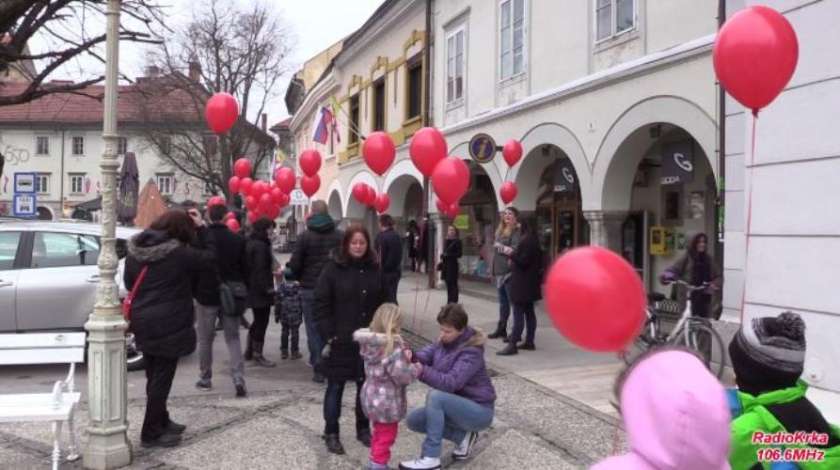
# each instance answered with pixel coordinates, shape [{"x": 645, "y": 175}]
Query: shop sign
[
  {"x": 677, "y": 163},
  {"x": 462, "y": 222},
  {"x": 564, "y": 177},
  {"x": 482, "y": 148},
  {"x": 298, "y": 198}
]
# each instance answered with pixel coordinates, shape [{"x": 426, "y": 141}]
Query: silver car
[{"x": 49, "y": 274}]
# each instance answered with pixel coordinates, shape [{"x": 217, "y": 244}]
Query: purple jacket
[{"x": 459, "y": 368}]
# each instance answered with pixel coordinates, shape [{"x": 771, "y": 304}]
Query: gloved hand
[{"x": 666, "y": 278}]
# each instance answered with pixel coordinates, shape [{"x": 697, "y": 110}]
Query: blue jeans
[
  {"x": 504, "y": 307},
  {"x": 313, "y": 339},
  {"x": 525, "y": 318},
  {"x": 447, "y": 416}
]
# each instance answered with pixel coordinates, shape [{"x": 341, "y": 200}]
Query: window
[
  {"x": 122, "y": 146},
  {"x": 613, "y": 17},
  {"x": 77, "y": 181},
  {"x": 415, "y": 89},
  {"x": 42, "y": 145},
  {"x": 379, "y": 105},
  {"x": 164, "y": 183},
  {"x": 42, "y": 183},
  {"x": 455, "y": 44},
  {"x": 78, "y": 146},
  {"x": 354, "y": 119},
  {"x": 53, "y": 250},
  {"x": 512, "y": 36},
  {"x": 8, "y": 249}
]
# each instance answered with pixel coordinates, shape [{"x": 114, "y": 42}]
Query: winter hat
[{"x": 769, "y": 353}]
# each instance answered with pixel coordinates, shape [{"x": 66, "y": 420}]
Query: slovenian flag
[{"x": 322, "y": 128}]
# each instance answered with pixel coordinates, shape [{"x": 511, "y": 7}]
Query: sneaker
[
  {"x": 204, "y": 384},
  {"x": 241, "y": 392},
  {"x": 377, "y": 466},
  {"x": 463, "y": 451},
  {"x": 175, "y": 428},
  {"x": 165, "y": 440},
  {"x": 423, "y": 463}
]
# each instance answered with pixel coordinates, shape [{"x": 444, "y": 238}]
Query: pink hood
[{"x": 676, "y": 416}]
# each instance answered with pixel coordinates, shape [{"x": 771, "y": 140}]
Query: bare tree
[{"x": 225, "y": 48}]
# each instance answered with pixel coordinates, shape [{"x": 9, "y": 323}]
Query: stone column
[
  {"x": 605, "y": 228},
  {"x": 108, "y": 445}
]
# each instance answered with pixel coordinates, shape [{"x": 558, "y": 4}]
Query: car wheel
[{"x": 133, "y": 357}]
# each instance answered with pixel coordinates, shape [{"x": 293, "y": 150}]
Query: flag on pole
[
  {"x": 335, "y": 109},
  {"x": 322, "y": 127}
]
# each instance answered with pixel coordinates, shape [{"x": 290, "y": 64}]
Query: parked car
[{"x": 49, "y": 274}]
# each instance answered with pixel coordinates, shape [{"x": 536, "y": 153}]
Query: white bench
[{"x": 56, "y": 407}]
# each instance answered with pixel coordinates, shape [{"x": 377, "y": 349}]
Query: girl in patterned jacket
[{"x": 388, "y": 371}]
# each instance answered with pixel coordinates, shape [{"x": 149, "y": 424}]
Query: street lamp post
[{"x": 107, "y": 445}]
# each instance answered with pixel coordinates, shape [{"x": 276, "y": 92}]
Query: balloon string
[{"x": 749, "y": 215}]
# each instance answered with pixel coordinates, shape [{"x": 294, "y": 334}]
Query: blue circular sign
[{"x": 482, "y": 148}]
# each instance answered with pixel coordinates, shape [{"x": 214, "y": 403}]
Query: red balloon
[
  {"x": 216, "y": 201},
  {"x": 595, "y": 299},
  {"x": 233, "y": 225},
  {"x": 508, "y": 191},
  {"x": 230, "y": 215},
  {"x": 427, "y": 149},
  {"x": 264, "y": 202},
  {"x": 453, "y": 210},
  {"x": 310, "y": 162},
  {"x": 382, "y": 202},
  {"x": 285, "y": 199},
  {"x": 441, "y": 206},
  {"x": 245, "y": 186},
  {"x": 310, "y": 185},
  {"x": 221, "y": 112},
  {"x": 233, "y": 184},
  {"x": 273, "y": 212},
  {"x": 370, "y": 197},
  {"x": 379, "y": 152},
  {"x": 451, "y": 179},
  {"x": 276, "y": 196},
  {"x": 512, "y": 151},
  {"x": 253, "y": 216},
  {"x": 260, "y": 188},
  {"x": 251, "y": 203},
  {"x": 284, "y": 178},
  {"x": 360, "y": 192},
  {"x": 242, "y": 168},
  {"x": 755, "y": 55}
]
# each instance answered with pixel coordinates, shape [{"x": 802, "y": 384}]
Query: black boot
[
  {"x": 334, "y": 444},
  {"x": 363, "y": 435},
  {"x": 527, "y": 346},
  {"x": 500, "y": 332},
  {"x": 249, "y": 351},
  {"x": 258, "y": 356},
  {"x": 509, "y": 350},
  {"x": 284, "y": 354}
]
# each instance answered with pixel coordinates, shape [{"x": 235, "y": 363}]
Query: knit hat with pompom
[{"x": 769, "y": 353}]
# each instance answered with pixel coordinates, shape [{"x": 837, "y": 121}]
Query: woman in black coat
[
  {"x": 162, "y": 314},
  {"x": 452, "y": 250},
  {"x": 525, "y": 290},
  {"x": 259, "y": 263},
  {"x": 411, "y": 239},
  {"x": 348, "y": 293}
]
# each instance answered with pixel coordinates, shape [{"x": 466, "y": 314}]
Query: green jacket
[{"x": 754, "y": 416}]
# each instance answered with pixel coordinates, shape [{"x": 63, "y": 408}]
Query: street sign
[
  {"x": 482, "y": 148},
  {"x": 24, "y": 183},
  {"x": 298, "y": 198},
  {"x": 24, "y": 205}
]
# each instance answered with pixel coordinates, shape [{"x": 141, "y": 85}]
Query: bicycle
[{"x": 688, "y": 332}]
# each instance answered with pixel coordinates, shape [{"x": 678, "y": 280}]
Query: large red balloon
[
  {"x": 284, "y": 178},
  {"x": 246, "y": 185},
  {"x": 242, "y": 168},
  {"x": 216, "y": 201},
  {"x": 233, "y": 184},
  {"x": 276, "y": 196},
  {"x": 451, "y": 179},
  {"x": 221, "y": 112},
  {"x": 379, "y": 152},
  {"x": 755, "y": 55},
  {"x": 595, "y": 299},
  {"x": 251, "y": 203},
  {"x": 370, "y": 197},
  {"x": 285, "y": 199},
  {"x": 512, "y": 151},
  {"x": 442, "y": 207},
  {"x": 360, "y": 192},
  {"x": 233, "y": 225},
  {"x": 382, "y": 202},
  {"x": 427, "y": 149},
  {"x": 310, "y": 162},
  {"x": 508, "y": 191},
  {"x": 310, "y": 185}
]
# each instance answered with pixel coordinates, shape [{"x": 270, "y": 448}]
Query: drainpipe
[
  {"x": 721, "y": 206},
  {"x": 427, "y": 121},
  {"x": 61, "y": 176}
]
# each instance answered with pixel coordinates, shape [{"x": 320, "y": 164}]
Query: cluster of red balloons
[
  {"x": 512, "y": 152},
  {"x": 261, "y": 198},
  {"x": 368, "y": 196},
  {"x": 450, "y": 176}
]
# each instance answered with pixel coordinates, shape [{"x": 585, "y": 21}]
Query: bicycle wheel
[
  {"x": 636, "y": 349},
  {"x": 704, "y": 340}
]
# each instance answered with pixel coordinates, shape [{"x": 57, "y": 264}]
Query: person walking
[
  {"x": 450, "y": 270},
  {"x": 229, "y": 269},
  {"x": 507, "y": 237},
  {"x": 423, "y": 244},
  {"x": 288, "y": 310},
  {"x": 525, "y": 289},
  {"x": 388, "y": 371},
  {"x": 411, "y": 240},
  {"x": 348, "y": 293},
  {"x": 389, "y": 248},
  {"x": 162, "y": 312},
  {"x": 462, "y": 400},
  {"x": 313, "y": 250},
  {"x": 259, "y": 262}
]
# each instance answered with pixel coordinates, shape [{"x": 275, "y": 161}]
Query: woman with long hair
[
  {"x": 348, "y": 293},
  {"x": 452, "y": 251},
  {"x": 259, "y": 261},
  {"x": 507, "y": 237},
  {"x": 162, "y": 313},
  {"x": 525, "y": 290},
  {"x": 696, "y": 268}
]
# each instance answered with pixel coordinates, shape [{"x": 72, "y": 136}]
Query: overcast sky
[{"x": 315, "y": 25}]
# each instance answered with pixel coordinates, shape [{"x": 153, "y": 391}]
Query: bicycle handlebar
[{"x": 690, "y": 287}]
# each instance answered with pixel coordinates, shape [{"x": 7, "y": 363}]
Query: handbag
[
  {"x": 126, "y": 305},
  {"x": 232, "y": 295}
]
